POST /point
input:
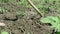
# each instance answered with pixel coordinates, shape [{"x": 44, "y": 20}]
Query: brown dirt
[{"x": 28, "y": 24}]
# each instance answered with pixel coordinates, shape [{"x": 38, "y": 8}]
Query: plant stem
[{"x": 30, "y": 2}]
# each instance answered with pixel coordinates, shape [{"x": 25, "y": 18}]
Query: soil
[{"x": 27, "y": 24}]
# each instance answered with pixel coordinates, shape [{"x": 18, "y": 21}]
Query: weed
[
  {"x": 4, "y": 1},
  {"x": 4, "y": 32},
  {"x": 2, "y": 10},
  {"x": 26, "y": 32},
  {"x": 54, "y": 21}
]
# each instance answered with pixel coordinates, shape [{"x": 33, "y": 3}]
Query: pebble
[{"x": 2, "y": 24}]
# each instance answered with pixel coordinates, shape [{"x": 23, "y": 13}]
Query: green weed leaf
[
  {"x": 57, "y": 32},
  {"x": 54, "y": 21},
  {"x": 4, "y": 32}
]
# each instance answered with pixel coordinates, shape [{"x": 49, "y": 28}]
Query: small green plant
[
  {"x": 4, "y": 32},
  {"x": 26, "y": 32},
  {"x": 54, "y": 21},
  {"x": 2, "y": 10},
  {"x": 4, "y": 1},
  {"x": 23, "y": 3}
]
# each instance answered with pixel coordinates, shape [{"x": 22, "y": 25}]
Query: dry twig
[{"x": 30, "y": 2}]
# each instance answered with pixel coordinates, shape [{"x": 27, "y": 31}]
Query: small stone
[
  {"x": 10, "y": 16},
  {"x": 2, "y": 24}
]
